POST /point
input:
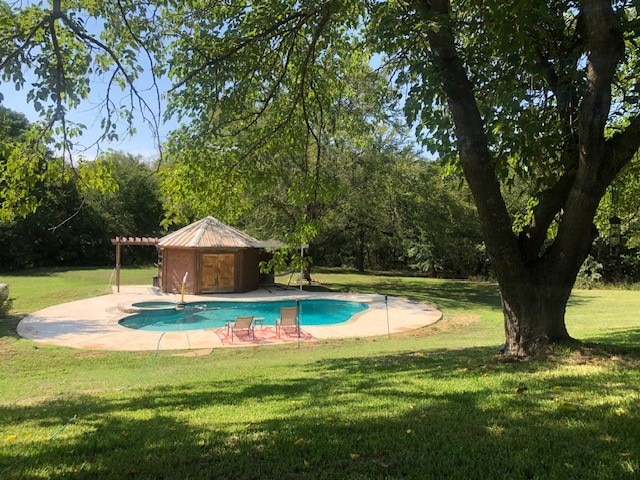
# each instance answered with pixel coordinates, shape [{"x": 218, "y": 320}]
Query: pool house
[{"x": 215, "y": 257}]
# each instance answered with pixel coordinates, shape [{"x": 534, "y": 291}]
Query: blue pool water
[{"x": 201, "y": 315}]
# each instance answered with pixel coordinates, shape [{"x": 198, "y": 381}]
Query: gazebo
[{"x": 215, "y": 258}]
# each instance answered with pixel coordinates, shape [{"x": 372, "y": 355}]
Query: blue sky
[{"x": 142, "y": 143}]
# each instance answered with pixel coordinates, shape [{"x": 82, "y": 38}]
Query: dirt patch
[
  {"x": 595, "y": 355},
  {"x": 444, "y": 325}
]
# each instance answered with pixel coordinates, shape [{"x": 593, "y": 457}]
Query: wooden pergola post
[
  {"x": 117, "y": 267},
  {"x": 119, "y": 241}
]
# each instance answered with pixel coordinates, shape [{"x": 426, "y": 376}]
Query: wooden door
[{"x": 217, "y": 272}]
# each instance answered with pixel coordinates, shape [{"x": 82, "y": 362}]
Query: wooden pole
[
  {"x": 118, "y": 267},
  {"x": 119, "y": 241}
]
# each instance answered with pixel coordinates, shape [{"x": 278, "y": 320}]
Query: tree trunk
[
  {"x": 534, "y": 317},
  {"x": 361, "y": 252}
]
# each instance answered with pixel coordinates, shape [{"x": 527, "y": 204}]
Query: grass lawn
[
  {"x": 431, "y": 403},
  {"x": 36, "y": 289}
]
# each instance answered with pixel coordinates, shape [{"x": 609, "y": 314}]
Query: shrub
[{"x": 590, "y": 273}]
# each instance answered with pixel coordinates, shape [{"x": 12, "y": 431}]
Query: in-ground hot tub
[{"x": 152, "y": 306}]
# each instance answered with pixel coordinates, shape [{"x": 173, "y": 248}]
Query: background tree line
[
  {"x": 71, "y": 222},
  {"x": 373, "y": 212},
  {"x": 383, "y": 207}
]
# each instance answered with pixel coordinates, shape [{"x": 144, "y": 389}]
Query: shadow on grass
[
  {"x": 448, "y": 294},
  {"x": 623, "y": 341},
  {"x": 445, "y": 293},
  {"x": 411, "y": 415},
  {"x": 47, "y": 271},
  {"x": 9, "y": 325},
  {"x": 50, "y": 271}
]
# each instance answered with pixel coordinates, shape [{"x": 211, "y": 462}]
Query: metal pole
[
  {"x": 298, "y": 320},
  {"x": 301, "y": 265},
  {"x": 302, "y": 247},
  {"x": 386, "y": 306}
]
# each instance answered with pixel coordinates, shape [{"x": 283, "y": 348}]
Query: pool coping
[{"x": 92, "y": 323}]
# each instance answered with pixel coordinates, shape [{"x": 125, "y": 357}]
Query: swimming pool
[{"x": 202, "y": 315}]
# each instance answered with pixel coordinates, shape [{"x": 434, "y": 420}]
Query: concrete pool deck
[{"x": 93, "y": 323}]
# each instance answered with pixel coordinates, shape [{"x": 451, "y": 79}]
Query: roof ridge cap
[{"x": 202, "y": 228}]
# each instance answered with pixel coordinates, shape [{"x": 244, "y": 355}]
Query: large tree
[
  {"x": 545, "y": 91},
  {"x": 535, "y": 88}
]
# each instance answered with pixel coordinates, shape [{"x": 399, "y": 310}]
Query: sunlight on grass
[{"x": 37, "y": 289}]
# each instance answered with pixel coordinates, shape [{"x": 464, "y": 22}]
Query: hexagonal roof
[{"x": 210, "y": 232}]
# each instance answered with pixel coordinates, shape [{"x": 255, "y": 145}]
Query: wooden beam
[
  {"x": 119, "y": 241},
  {"x": 135, "y": 241},
  {"x": 118, "y": 267}
]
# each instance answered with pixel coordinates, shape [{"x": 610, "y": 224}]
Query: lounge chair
[
  {"x": 241, "y": 323},
  {"x": 288, "y": 320}
]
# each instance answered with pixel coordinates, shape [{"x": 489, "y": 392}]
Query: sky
[{"x": 143, "y": 143}]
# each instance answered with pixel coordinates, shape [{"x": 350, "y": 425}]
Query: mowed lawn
[{"x": 431, "y": 403}]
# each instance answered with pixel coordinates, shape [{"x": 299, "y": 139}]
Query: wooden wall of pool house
[{"x": 217, "y": 257}]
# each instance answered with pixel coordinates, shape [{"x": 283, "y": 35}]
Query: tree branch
[
  {"x": 114, "y": 57},
  {"x": 264, "y": 34},
  {"x": 475, "y": 156},
  {"x": 309, "y": 59},
  {"x": 40, "y": 25},
  {"x": 605, "y": 49},
  {"x": 621, "y": 148},
  {"x": 154, "y": 121},
  {"x": 60, "y": 87},
  {"x": 567, "y": 102},
  {"x": 550, "y": 204}
]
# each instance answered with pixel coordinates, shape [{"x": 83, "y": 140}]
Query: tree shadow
[
  {"x": 618, "y": 341},
  {"x": 48, "y": 271},
  {"x": 377, "y": 417},
  {"x": 445, "y": 293},
  {"x": 9, "y": 326},
  {"x": 450, "y": 294}
]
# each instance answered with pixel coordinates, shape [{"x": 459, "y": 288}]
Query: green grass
[
  {"x": 432, "y": 403},
  {"x": 36, "y": 289}
]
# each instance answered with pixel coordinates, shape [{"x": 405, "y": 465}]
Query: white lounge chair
[
  {"x": 241, "y": 323},
  {"x": 288, "y": 320}
]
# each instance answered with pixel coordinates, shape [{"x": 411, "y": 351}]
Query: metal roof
[{"x": 210, "y": 233}]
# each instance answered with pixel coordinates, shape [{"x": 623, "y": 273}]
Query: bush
[
  {"x": 5, "y": 307},
  {"x": 590, "y": 273}
]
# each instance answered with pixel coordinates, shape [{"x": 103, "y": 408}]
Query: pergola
[{"x": 119, "y": 241}]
